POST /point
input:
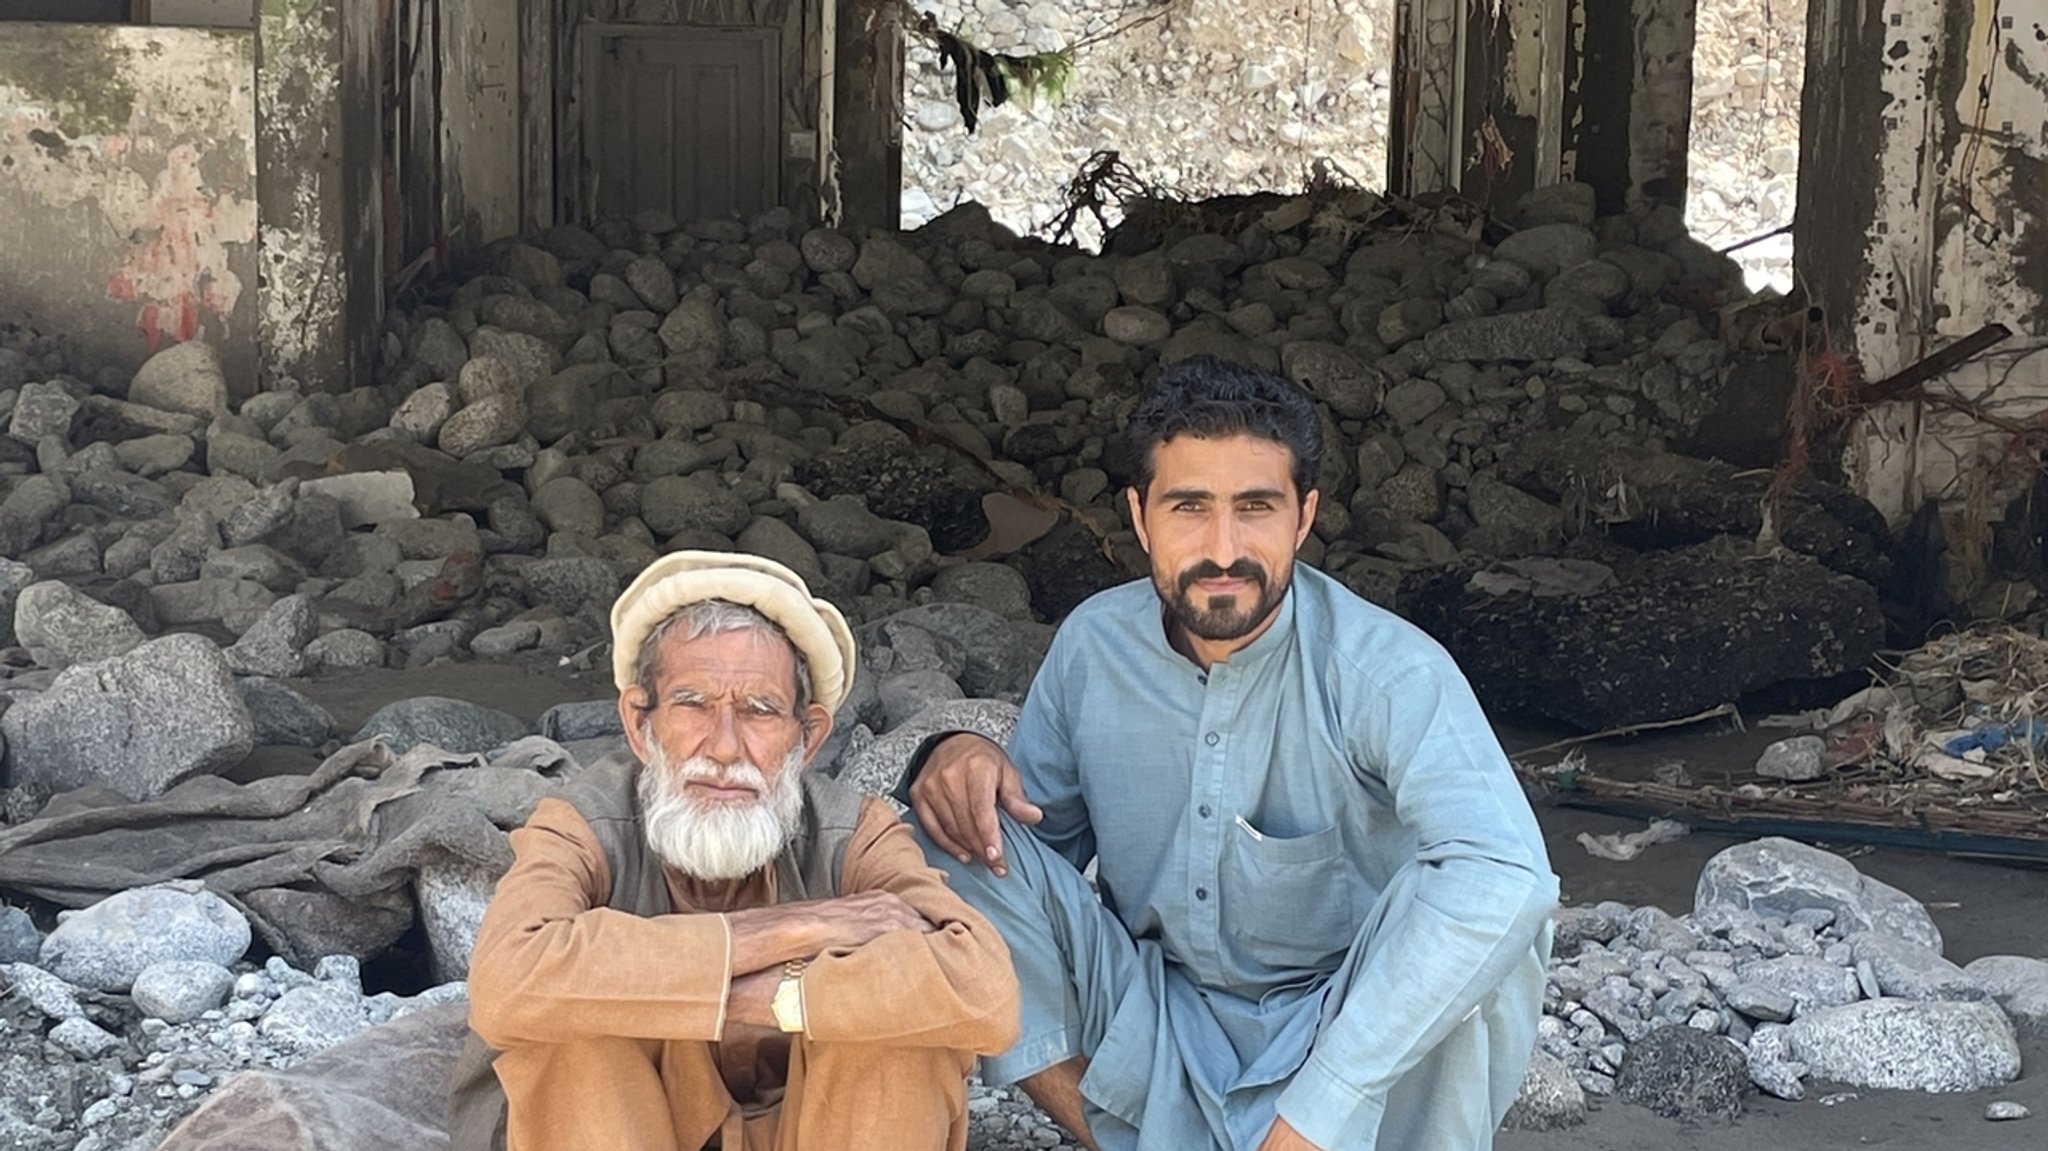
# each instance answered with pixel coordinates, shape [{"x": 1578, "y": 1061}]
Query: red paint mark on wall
[{"x": 177, "y": 265}]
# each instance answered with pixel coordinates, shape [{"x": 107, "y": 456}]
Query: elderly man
[
  {"x": 708, "y": 945},
  {"x": 1323, "y": 912}
]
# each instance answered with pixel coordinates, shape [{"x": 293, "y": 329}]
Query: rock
[
  {"x": 43, "y": 991},
  {"x": 181, "y": 990},
  {"x": 1779, "y": 876},
  {"x": 1771, "y": 1066},
  {"x": 695, "y": 335},
  {"x": 452, "y": 895},
  {"x": 449, "y": 724},
  {"x": 900, "y": 485},
  {"x": 1797, "y": 759},
  {"x": 138, "y": 723},
  {"x": 1809, "y": 982},
  {"x": 153, "y": 456},
  {"x": 275, "y": 645},
  {"x": 20, "y": 942},
  {"x": 61, "y": 626},
  {"x": 1902, "y": 1045},
  {"x": 182, "y": 378},
  {"x": 282, "y": 716},
  {"x": 996, "y": 663},
  {"x": 382, "y": 1088},
  {"x": 775, "y": 539},
  {"x": 1352, "y": 388},
  {"x": 345, "y": 650},
  {"x": 1550, "y": 1098},
  {"x": 567, "y": 504},
  {"x": 235, "y": 604},
  {"x": 1412, "y": 401},
  {"x": 43, "y": 410},
  {"x": 994, "y": 587},
  {"x": 906, "y": 694},
  {"x": 672, "y": 505},
  {"x": 83, "y": 1039},
  {"x": 844, "y": 525},
  {"x": 2003, "y": 1110},
  {"x": 308, "y": 1020},
  {"x": 1682, "y": 1073},
  {"x": 489, "y": 422},
  {"x": 1543, "y": 334},
  {"x": 106, "y": 946},
  {"x": 2018, "y": 984},
  {"x": 1138, "y": 326},
  {"x": 1762, "y": 1001},
  {"x": 573, "y": 583},
  {"x": 309, "y": 923},
  {"x": 876, "y": 768},
  {"x": 1547, "y": 249},
  {"x": 1910, "y": 971},
  {"x": 1741, "y": 626},
  {"x": 367, "y": 499}
]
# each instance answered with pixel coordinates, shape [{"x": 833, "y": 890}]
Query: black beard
[{"x": 1223, "y": 619}]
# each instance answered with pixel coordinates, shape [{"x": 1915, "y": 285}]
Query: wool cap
[{"x": 686, "y": 577}]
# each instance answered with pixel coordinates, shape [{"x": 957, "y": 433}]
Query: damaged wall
[
  {"x": 304, "y": 334},
  {"x": 1932, "y": 123},
  {"x": 1496, "y": 98},
  {"x": 128, "y": 190}
]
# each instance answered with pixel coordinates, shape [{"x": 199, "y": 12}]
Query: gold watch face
[{"x": 788, "y": 1005}]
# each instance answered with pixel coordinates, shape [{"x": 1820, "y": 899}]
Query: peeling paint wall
[
  {"x": 1934, "y": 119},
  {"x": 127, "y": 190},
  {"x": 1427, "y": 96}
]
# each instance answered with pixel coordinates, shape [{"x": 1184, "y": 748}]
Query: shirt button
[
  {"x": 1201, "y": 893},
  {"x": 1211, "y": 739},
  {"x": 1204, "y": 809}
]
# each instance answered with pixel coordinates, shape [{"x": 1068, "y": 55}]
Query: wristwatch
[{"x": 788, "y": 1004}]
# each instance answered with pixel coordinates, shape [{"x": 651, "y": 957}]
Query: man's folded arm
[
  {"x": 953, "y": 987},
  {"x": 551, "y": 963}
]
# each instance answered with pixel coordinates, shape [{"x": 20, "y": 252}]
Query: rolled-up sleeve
[
  {"x": 552, "y": 963},
  {"x": 1483, "y": 893}
]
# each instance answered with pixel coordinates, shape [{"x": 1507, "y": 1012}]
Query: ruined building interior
[{"x": 1681, "y": 361}]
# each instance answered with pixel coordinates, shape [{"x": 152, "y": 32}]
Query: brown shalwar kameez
[{"x": 612, "y": 1027}]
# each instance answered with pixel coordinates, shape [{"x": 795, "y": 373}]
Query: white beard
[{"x": 719, "y": 840}]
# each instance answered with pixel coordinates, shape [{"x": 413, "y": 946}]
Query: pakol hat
[{"x": 686, "y": 577}]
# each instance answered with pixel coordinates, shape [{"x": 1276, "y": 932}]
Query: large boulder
[
  {"x": 106, "y": 946},
  {"x": 1669, "y": 635},
  {"x": 1777, "y": 876},
  {"x": 386, "y": 1087},
  {"x": 449, "y": 724},
  {"x": 2018, "y": 984},
  {"x": 876, "y": 766},
  {"x": 1904, "y": 1045},
  {"x": 61, "y": 626},
  {"x": 137, "y": 723}
]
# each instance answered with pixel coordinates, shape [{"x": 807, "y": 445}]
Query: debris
[{"x": 1622, "y": 847}]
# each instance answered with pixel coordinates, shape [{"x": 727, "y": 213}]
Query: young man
[
  {"x": 1324, "y": 903},
  {"x": 708, "y": 946}
]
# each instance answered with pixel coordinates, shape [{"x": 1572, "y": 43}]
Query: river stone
[
  {"x": 876, "y": 768},
  {"x": 42, "y": 410},
  {"x": 672, "y": 505},
  {"x": 106, "y": 946},
  {"x": 1332, "y": 374},
  {"x": 452, "y": 725},
  {"x": 20, "y": 942},
  {"x": 843, "y": 525},
  {"x": 452, "y": 895},
  {"x": 1909, "y": 971},
  {"x": 994, "y": 587},
  {"x": 61, "y": 626},
  {"x": 1780, "y": 876},
  {"x": 282, "y": 716},
  {"x": 182, "y": 378},
  {"x": 1809, "y": 981},
  {"x": 1550, "y": 1099},
  {"x": 138, "y": 723},
  {"x": 1904, "y": 1045},
  {"x": 1543, "y": 334},
  {"x": 1683, "y": 1073},
  {"x": 491, "y": 421},
  {"x": 2018, "y": 984},
  {"x": 181, "y": 990},
  {"x": 308, "y": 1020},
  {"x": 570, "y": 583},
  {"x": 275, "y": 645},
  {"x": 1797, "y": 759},
  {"x": 83, "y": 1039},
  {"x": 41, "y": 990}
]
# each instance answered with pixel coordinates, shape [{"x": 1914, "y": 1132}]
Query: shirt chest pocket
[{"x": 1289, "y": 902}]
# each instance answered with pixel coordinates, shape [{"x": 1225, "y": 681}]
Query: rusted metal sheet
[{"x": 128, "y": 189}]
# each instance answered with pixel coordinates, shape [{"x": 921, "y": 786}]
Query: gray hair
[{"x": 716, "y": 617}]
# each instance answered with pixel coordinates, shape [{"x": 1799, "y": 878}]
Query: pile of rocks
[
  {"x": 855, "y": 409},
  {"x": 1791, "y": 965},
  {"x": 134, "y": 1011}
]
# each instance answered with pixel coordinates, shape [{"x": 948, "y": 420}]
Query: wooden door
[{"x": 682, "y": 120}]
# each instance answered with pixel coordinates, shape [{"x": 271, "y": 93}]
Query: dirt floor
[{"x": 1982, "y": 909}]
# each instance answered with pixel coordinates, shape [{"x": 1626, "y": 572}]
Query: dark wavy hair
[{"x": 1210, "y": 398}]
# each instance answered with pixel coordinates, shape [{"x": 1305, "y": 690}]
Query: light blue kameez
[{"x": 1323, "y": 892}]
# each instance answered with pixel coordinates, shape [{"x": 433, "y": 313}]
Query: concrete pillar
[
  {"x": 317, "y": 137},
  {"x": 1629, "y": 106},
  {"x": 868, "y": 113}
]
